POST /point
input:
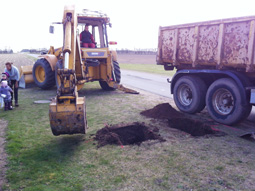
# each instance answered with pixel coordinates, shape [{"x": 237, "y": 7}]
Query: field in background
[
  {"x": 37, "y": 160},
  {"x": 142, "y": 63},
  {"x": 137, "y": 59},
  {"x": 17, "y": 59}
]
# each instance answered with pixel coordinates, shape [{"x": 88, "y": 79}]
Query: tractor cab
[{"x": 97, "y": 23}]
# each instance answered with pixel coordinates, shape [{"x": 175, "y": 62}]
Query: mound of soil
[
  {"x": 125, "y": 134},
  {"x": 162, "y": 111},
  {"x": 193, "y": 127},
  {"x": 177, "y": 120}
]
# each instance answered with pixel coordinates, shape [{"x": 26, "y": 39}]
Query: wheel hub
[
  {"x": 185, "y": 94},
  {"x": 40, "y": 74},
  {"x": 223, "y": 101}
]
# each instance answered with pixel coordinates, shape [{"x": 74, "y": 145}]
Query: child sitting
[{"x": 5, "y": 92}]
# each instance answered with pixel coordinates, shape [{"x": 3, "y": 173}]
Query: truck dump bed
[{"x": 218, "y": 44}]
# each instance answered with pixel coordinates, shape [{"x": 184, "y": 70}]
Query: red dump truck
[{"x": 215, "y": 66}]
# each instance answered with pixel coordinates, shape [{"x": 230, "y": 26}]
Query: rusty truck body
[{"x": 215, "y": 66}]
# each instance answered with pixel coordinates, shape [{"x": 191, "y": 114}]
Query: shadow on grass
[
  {"x": 48, "y": 162},
  {"x": 89, "y": 92},
  {"x": 57, "y": 150}
]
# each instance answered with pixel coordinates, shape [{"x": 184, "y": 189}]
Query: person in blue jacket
[{"x": 14, "y": 78}]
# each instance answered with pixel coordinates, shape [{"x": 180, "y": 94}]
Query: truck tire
[
  {"x": 189, "y": 94},
  {"x": 224, "y": 102},
  {"x": 104, "y": 85},
  {"x": 43, "y": 75}
]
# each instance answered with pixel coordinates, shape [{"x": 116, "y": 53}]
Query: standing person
[
  {"x": 87, "y": 39},
  {"x": 14, "y": 78}
]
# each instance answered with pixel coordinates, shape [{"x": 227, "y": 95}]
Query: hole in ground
[
  {"x": 125, "y": 134},
  {"x": 193, "y": 127}
]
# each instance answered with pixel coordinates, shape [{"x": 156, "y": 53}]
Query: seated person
[
  {"x": 87, "y": 39},
  {"x": 5, "y": 93},
  {"x": 5, "y": 76}
]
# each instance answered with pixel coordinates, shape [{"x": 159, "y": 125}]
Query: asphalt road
[
  {"x": 156, "y": 84},
  {"x": 153, "y": 83}
]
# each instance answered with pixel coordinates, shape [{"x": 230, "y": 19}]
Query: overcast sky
[{"x": 135, "y": 23}]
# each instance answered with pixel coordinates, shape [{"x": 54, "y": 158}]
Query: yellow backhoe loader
[{"x": 72, "y": 65}]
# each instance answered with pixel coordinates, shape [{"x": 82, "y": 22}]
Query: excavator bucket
[
  {"x": 26, "y": 75},
  {"x": 68, "y": 115}
]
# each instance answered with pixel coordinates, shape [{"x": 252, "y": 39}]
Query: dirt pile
[
  {"x": 125, "y": 134},
  {"x": 193, "y": 127},
  {"x": 179, "y": 121},
  {"x": 162, "y": 111}
]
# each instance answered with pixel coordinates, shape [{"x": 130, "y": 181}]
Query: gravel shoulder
[{"x": 3, "y": 155}]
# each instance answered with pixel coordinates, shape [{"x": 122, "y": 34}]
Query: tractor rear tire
[
  {"x": 104, "y": 85},
  {"x": 43, "y": 75},
  {"x": 117, "y": 71}
]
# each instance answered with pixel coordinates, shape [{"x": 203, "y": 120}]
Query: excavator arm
[{"x": 67, "y": 111}]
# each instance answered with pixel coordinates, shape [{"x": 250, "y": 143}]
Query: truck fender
[
  {"x": 52, "y": 60},
  {"x": 240, "y": 79}
]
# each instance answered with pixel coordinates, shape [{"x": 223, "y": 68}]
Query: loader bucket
[
  {"x": 68, "y": 118},
  {"x": 26, "y": 75}
]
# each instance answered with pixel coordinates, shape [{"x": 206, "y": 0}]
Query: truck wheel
[
  {"x": 104, "y": 85},
  {"x": 43, "y": 75},
  {"x": 189, "y": 94},
  {"x": 225, "y": 103}
]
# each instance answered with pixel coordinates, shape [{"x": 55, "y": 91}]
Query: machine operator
[{"x": 87, "y": 39}]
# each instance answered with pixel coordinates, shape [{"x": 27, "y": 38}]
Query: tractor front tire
[{"x": 43, "y": 75}]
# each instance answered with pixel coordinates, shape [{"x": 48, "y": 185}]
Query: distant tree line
[
  {"x": 5, "y": 51},
  {"x": 34, "y": 51},
  {"x": 151, "y": 51}
]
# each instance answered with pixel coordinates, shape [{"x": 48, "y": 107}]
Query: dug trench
[
  {"x": 180, "y": 121},
  {"x": 126, "y": 134},
  {"x": 136, "y": 133}
]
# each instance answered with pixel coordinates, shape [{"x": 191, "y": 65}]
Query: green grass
[
  {"x": 37, "y": 160},
  {"x": 149, "y": 68}
]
